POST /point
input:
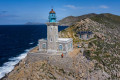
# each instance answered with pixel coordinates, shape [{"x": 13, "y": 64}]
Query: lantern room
[{"x": 52, "y": 16}]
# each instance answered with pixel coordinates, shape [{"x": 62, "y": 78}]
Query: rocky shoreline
[
  {"x": 97, "y": 61},
  {"x": 52, "y": 67},
  {"x": 6, "y": 75}
]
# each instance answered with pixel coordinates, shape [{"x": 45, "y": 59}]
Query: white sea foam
[
  {"x": 30, "y": 43},
  {"x": 9, "y": 66}
]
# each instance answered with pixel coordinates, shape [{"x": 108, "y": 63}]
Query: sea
[{"x": 16, "y": 41}]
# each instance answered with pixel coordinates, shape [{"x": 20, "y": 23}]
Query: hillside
[
  {"x": 105, "y": 48},
  {"x": 73, "y": 19},
  {"x": 100, "y": 60}
]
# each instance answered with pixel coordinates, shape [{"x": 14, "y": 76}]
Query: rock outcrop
[
  {"x": 38, "y": 66},
  {"x": 104, "y": 48},
  {"x": 100, "y": 60}
]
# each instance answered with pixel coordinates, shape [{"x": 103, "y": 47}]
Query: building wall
[
  {"x": 68, "y": 46},
  {"x": 63, "y": 46},
  {"x": 86, "y": 36},
  {"x": 52, "y": 36},
  {"x": 41, "y": 45}
]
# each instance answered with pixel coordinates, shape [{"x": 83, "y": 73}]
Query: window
[
  {"x": 51, "y": 39},
  {"x": 87, "y": 36},
  {"x": 60, "y": 47},
  {"x": 80, "y": 35},
  {"x": 71, "y": 45},
  {"x": 56, "y": 36},
  {"x": 44, "y": 45},
  {"x": 68, "y": 46},
  {"x": 51, "y": 28}
]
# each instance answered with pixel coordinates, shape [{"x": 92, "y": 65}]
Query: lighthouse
[
  {"x": 52, "y": 32},
  {"x": 53, "y": 44}
]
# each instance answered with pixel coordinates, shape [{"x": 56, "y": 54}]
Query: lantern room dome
[{"x": 52, "y": 11}]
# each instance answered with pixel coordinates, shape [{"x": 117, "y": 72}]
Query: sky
[{"x": 13, "y": 12}]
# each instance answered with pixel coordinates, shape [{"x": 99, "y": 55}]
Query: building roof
[
  {"x": 52, "y": 11},
  {"x": 44, "y": 40},
  {"x": 64, "y": 39},
  {"x": 85, "y": 32}
]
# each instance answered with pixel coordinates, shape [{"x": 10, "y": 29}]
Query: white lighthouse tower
[{"x": 52, "y": 32}]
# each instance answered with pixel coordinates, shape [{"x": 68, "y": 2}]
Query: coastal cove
[{"x": 16, "y": 41}]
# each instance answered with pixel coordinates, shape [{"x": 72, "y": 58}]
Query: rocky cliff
[
  {"x": 104, "y": 48},
  {"x": 100, "y": 60}
]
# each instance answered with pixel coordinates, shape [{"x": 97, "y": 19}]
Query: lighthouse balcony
[{"x": 52, "y": 23}]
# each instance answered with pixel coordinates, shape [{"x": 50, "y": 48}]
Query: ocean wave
[
  {"x": 31, "y": 43},
  {"x": 9, "y": 66}
]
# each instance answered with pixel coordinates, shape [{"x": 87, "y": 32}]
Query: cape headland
[{"x": 95, "y": 54}]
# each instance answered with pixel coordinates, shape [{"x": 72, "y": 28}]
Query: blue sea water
[{"x": 16, "y": 41}]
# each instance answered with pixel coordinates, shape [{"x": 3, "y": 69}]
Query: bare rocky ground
[
  {"x": 104, "y": 48},
  {"x": 37, "y": 66},
  {"x": 100, "y": 60}
]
